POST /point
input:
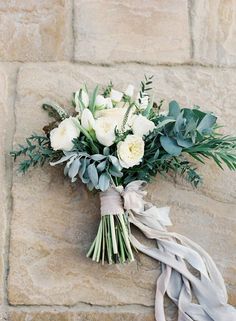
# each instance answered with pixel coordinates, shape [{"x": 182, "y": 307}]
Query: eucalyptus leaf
[
  {"x": 164, "y": 123},
  {"x": 114, "y": 172},
  {"x": 106, "y": 151},
  {"x": 104, "y": 182},
  {"x": 98, "y": 157},
  {"x": 93, "y": 174},
  {"x": 179, "y": 124},
  {"x": 101, "y": 166},
  {"x": 74, "y": 169},
  {"x": 63, "y": 159},
  {"x": 206, "y": 124},
  {"x": 174, "y": 109},
  {"x": 82, "y": 167},
  {"x": 170, "y": 146},
  {"x": 115, "y": 162},
  {"x": 184, "y": 142},
  {"x": 90, "y": 186}
]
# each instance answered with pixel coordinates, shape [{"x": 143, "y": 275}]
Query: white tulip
[
  {"x": 130, "y": 151},
  {"x": 62, "y": 136},
  {"x": 84, "y": 97},
  {"x": 109, "y": 103},
  {"x": 105, "y": 130},
  {"x": 87, "y": 119},
  {"x": 129, "y": 91},
  {"x": 116, "y": 96},
  {"x": 100, "y": 101},
  {"x": 141, "y": 126}
]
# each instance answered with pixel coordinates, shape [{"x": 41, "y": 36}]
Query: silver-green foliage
[{"x": 96, "y": 171}]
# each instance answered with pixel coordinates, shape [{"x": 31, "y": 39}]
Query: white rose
[
  {"x": 130, "y": 91},
  {"x": 84, "y": 97},
  {"x": 116, "y": 96},
  {"x": 117, "y": 115},
  {"x": 105, "y": 130},
  {"x": 130, "y": 152},
  {"x": 142, "y": 102},
  {"x": 87, "y": 120},
  {"x": 100, "y": 101},
  {"x": 142, "y": 126},
  {"x": 62, "y": 136}
]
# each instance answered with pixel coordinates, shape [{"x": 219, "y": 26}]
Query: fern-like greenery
[
  {"x": 36, "y": 151},
  {"x": 222, "y": 149}
]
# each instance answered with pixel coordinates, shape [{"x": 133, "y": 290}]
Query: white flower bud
[
  {"x": 87, "y": 120},
  {"x": 100, "y": 101},
  {"x": 109, "y": 103},
  {"x": 116, "y": 96},
  {"x": 105, "y": 130},
  {"x": 141, "y": 126},
  {"x": 130, "y": 91}
]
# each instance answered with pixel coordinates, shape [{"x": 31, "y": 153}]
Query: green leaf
[
  {"x": 101, "y": 166},
  {"x": 93, "y": 174},
  {"x": 74, "y": 169},
  {"x": 170, "y": 146},
  {"x": 114, "y": 172},
  {"x": 104, "y": 182},
  {"x": 174, "y": 109},
  {"x": 93, "y": 99},
  {"x": 164, "y": 123},
  {"x": 184, "y": 142},
  {"x": 106, "y": 151},
  {"x": 98, "y": 157},
  {"x": 206, "y": 124},
  {"x": 115, "y": 162}
]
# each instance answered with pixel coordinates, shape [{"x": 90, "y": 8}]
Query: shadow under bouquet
[{"x": 116, "y": 142}]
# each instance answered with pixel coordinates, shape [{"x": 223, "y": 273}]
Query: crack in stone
[{"x": 11, "y": 117}]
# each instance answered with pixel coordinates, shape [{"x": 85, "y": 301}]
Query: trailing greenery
[{"x": 36, "y": 151}]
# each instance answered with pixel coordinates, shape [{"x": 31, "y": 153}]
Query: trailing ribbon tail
[{"x": 176, "y": 254}]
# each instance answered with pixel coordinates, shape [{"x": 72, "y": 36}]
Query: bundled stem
[{"x": 112, "y": 242}]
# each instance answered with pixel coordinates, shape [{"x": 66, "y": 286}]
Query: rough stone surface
[
  {"x": 54, "y": 222},
  {"x": 35, "y": 30},
  {"x": 3, "y": 98},
  {"x": 94, "y": 315},
  {"x": 214, "y": 31},
  {"x": 153, "y": 31}
]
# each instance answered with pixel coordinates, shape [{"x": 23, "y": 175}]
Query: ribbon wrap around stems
[{"x": 175, "y": 253}]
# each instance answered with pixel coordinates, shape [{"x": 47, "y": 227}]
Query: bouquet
[{"x": 115, "y": 142}]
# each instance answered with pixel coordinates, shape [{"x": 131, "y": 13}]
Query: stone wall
[{"x": 47, "y": 50}]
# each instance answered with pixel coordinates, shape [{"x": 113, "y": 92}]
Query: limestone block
[
  {"x": 3, "y": 112},
  {"x": 35, "y": 30},
  {"x": 214, "y": 31},
  {"x": 95, "y": 314},
  {"x": 155, "y": 31}
]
